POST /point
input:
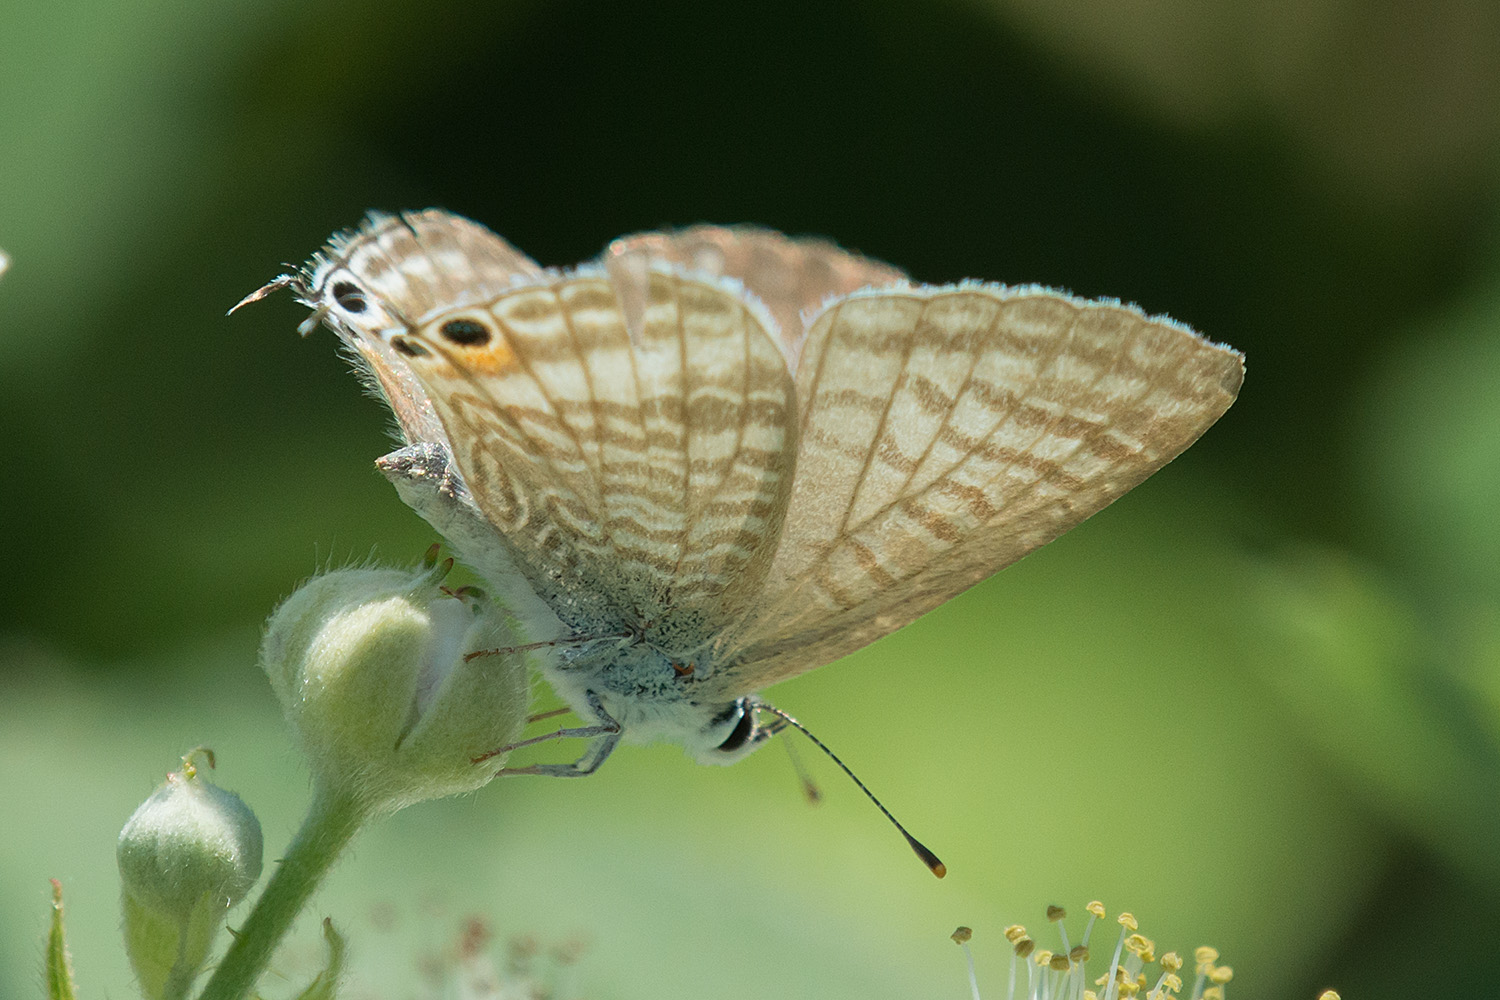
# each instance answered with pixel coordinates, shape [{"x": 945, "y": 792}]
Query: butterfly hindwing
[
  {"x": 641, "y": 480},
  {"x": 397, "y": 270}
]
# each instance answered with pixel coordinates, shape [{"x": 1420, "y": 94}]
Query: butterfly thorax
[{"x": 650, "y": 693}]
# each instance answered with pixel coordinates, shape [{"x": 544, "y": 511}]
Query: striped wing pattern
[
  {"x": 761, "y": 483},
  {"x": 427, "y": 262},
  {"x": 416, "y": 264},
  {"x": 641, "y": 480},
  {"x": 945, "y": 433},
  {"x": 792, "y": 278}
]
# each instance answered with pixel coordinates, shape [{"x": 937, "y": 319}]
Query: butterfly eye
[
  {"x": 740, "y": 735},
  {"x": 349, "y": 296},
  {"x": 465, "y": 332}
]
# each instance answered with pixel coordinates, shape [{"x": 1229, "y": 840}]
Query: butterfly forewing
[
  {"x": 946, "y": 433},
  {"x": 641, "y": 483}
]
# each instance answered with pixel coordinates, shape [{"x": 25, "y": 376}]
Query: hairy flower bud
[
  {"x": 189, "y": 853},
  {"x": 371, "y": 669}
]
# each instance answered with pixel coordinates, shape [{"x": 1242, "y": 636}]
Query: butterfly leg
[
  {"x": 428, "y": 482},
  {"x": 606, "y": 735}
]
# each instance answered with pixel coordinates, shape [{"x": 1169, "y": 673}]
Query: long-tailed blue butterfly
[{"x": 717, "y": 458}]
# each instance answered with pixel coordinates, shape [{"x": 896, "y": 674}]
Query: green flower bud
[
  {"x": 370, "y": 667},
  {"x": 189, "y": 853}
]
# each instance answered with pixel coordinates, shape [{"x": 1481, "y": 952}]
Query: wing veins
[
  {"x": 588, "y": 377},
  {"x": 1104, "y": 370},
  {"x": 812, "y": 389},
  {"x": 932, "y": 441},
  {"x": 886, "y": 508},
  {"x": 1057, "y": 351},
  {"x": 845, "y": 534},
  {"x": 686, "y": 390},
  {"x": 1114, "y": 362},
  {"x": 739, "y": 443},
  {"x": 475, "y": 383},
  {"x": 635, "y": 375},
  {"x": 591, "y": 502},
  {"x": 885, "y": 413}
]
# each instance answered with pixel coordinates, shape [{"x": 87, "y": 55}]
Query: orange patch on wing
[{"x": 494, "y": 358}]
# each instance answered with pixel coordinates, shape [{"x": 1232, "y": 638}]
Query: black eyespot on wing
[
  {"x": 466, "y": 332},
  {"x": 408, "y": 348},
  {"x": 349, "y": 296}
]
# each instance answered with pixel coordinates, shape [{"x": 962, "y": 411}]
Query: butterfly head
[
  {"x": 340, "y": 298},
  {"x": 731, "y": 735},
  {"x": 384, "y": 277}
]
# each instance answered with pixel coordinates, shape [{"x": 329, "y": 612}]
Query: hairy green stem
[{"x": 330, "y": 824}]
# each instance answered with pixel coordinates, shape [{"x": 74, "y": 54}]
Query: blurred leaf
[
  {"x": 1480, "y": 661},
  {"x": 59, "y": 965},
  {"x": 1430, "y": 447},
  {"x": 325, "y": 985},
  {"x": 1352, "y": 663},
  {"x": 1393, "y": 106}
]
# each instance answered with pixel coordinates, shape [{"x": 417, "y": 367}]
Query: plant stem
[{"x": 330, "y": 824}]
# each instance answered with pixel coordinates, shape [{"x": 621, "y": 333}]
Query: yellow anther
[
  {"x": 1127, "y": 921},
  {"x": 1214, "y": 993},
  {"x": 1014, "y": 933},
  {"x": 1325, "y": 995},
  {"x": 1090, "y": 995},
  {"x": 1172, "y": 962},
  {"x": 1129, "y": 989},
  {"x": 1024, "y": 947},
  {"x": 1221, "y": 974},
  {"x": 1043, "y": 957},
  {"x": 1080, "y": 953},
  {"x": 1056, "y": 913},
  {"x": 1136, "y": 944},
  {"x": 962, "y": 935},
  {"x": 1172, "y": 982},
  {"x": 1206, "y": 955},
  {"x": 1096, "y": 908},
  {"x": 1058, "y": 963}
]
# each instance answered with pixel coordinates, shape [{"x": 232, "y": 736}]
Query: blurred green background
[{"x": 1257, "y": 701}]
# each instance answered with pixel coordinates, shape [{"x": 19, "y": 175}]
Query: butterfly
[{"x": 716, "y": 458}]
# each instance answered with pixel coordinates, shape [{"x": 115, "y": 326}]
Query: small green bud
[
  {"x": 371, "y": 670},
  {"x": 189, "y": 853}
]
